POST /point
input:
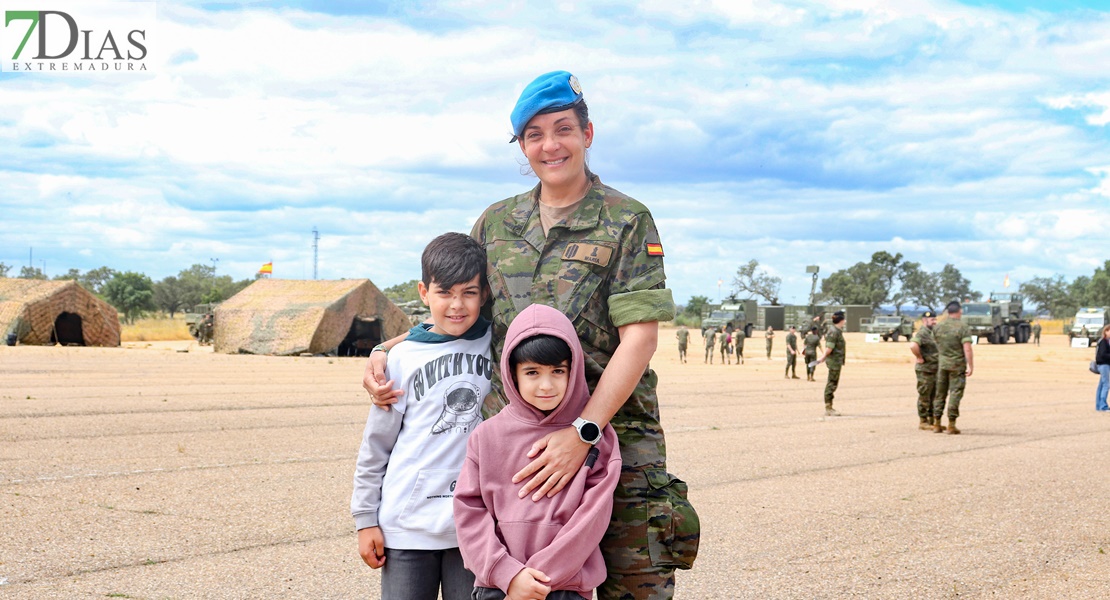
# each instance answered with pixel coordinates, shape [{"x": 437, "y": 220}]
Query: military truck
[
  {"x": 1088, "y": 323},
  {"x": 731, "y": 312},
  {"x": 201, "y": 321},
  {"x": 999, "y": 319},
  {"x": 889, "y": 327}
]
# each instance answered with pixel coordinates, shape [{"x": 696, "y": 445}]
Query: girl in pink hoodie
[{"x": 547, "y": 548}]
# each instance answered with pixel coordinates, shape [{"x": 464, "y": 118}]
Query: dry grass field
[
  {"x": 156, "y": 329},
  {"x": 149, "y": 472}
]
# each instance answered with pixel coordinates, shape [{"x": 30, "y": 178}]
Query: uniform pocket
[
  {"x": 429, "y": 508},
  {"x": 674, "y": 529}
]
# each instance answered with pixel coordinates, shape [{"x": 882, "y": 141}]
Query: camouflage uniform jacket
[
  {"x": 951, "y": 335},
  {"x": 792, "y": 343},
  {"x": 811, "y": 342},
  {"x": 683, "y": 336},
  {"x": 834, "y": 340},
  {"x": 927, "y": 345},
  {"x": 603, "y": 268}
]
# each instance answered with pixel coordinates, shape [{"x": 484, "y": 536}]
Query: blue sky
[{"x": 790, "y": 132}]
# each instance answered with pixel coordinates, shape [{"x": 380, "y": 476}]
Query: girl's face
[{"x": 555, "y": 146}]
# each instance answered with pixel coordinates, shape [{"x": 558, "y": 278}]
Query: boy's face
[
  {"x": 542, "y": 386},
  {"x": 455, "y": 309}
]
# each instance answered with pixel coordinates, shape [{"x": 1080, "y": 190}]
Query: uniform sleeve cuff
[{"x": 643, "y": 306}]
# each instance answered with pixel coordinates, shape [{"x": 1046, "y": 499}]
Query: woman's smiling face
[{"x": 555, "y": 145}]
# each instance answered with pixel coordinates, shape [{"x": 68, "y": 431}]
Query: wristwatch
[{"x": 588, "y": 431}]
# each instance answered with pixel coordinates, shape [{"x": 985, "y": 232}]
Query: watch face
[{"x": 590, "y": 431}]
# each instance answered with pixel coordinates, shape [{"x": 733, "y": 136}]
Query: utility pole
[
  {"x": 315, "y": 252},
  {"x": 214, "y": 261}
]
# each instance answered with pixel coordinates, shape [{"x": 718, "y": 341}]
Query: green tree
[
  {"x": 1078, "y": 293},
  {"x": 195, "y": 283},
  {"x": 167, "y": 295},
  {"x": 131, "y": 293},
  {"x": 94, "y": 279},
  {"x": 1098, "y": 288},
  {"x": 1045, "y": 293},
  {"x": 954, "y": 286},
  {"x": 70, "y": 275},
  {"x": 753, "y": 281},
  {"x": 868, "y": 283},
  {"x": 31, "y": 273},
  {"x": 4, "y": 269},
  {"x": 403, "y": 292},
  {"x": 918, "y": 286},
  {"x": 696, "y": 306}
]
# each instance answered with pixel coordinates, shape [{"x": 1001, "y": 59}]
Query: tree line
[
  {"x": 891, "y": 280},
  {"x": 135, "y": 294},
  {"x": 1062, "y": 298}
]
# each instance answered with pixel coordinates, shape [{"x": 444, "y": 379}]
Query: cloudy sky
[{"x": 788, "y": 131}]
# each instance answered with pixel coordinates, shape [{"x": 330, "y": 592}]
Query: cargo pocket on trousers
[{"x": 673, "y": 527}]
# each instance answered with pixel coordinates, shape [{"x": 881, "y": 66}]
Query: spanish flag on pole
[{"x": 267, "y": 268}]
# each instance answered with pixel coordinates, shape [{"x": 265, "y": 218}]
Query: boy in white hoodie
[{"x": 411, "y": 455}]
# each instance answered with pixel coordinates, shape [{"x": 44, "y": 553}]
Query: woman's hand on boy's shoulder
[{"x": 374, "y": 382}]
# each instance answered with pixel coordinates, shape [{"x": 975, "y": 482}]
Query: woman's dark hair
[
  {"x": 546, "y": 350},
  {"x": 583, "y": 113}
]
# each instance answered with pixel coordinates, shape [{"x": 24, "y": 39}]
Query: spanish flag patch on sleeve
[{"x": 655, "y": 249}]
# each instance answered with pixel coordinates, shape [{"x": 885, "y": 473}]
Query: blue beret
[{"x": 550, "y": 92}]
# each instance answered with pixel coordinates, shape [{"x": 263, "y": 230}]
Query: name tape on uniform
[{"x": 589, "y": 253}]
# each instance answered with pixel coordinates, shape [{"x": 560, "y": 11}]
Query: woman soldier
[{"x": 582, "y": 247}]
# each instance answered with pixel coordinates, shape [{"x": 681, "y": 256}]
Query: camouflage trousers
[
  {"x": 769, "y": 344},
  {"x": 653, "y": 531},
  {"x": 810, "y": 357},
  {"x": 739, "y": 350},
  {"x": 682, "y": 351},
  {"x": 833, "y": 383},
  {"x": 950, "y": 387},
  {"x": 709, "y": 354},
  {"x": 926, "y": 390},
  {"x": 792, "y": 363}
]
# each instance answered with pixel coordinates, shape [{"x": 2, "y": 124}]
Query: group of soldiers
[
  {"x": 944, "y": 362},
  {"x": 943, "y": 354},
  {"x": 728, "y": 340}
]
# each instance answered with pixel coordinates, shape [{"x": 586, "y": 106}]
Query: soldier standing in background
[
  {"x": 954, "y": 367},
  {"x": 835, "y": 350},
  {"x": 1037, "y": 332},
  {"x": 710, "y": 336},
  {"x": 811, "y": 342},
  {"x": 683, "y": 336},
  {"x": 738, "y": 337},
  {"x": 770, "y": 336},
  {"x": 792, "y": 353},
  {"x": 726, "y": 346},
  {"x": 924, "y": 349}
]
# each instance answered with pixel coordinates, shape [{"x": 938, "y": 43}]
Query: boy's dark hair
[
  {"x": 451, "y": 259},
  {"x": 546, "y": 350}
]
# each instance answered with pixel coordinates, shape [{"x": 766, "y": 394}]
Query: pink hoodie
[{"x": 500, "y": 534}]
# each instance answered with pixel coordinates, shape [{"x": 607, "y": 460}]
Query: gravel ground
[{"x": 162, "y": 470}]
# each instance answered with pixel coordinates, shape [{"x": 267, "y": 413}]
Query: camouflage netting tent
[
  {"x": 49, "y": 312},
  {"x": 286, "y": 317}
]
